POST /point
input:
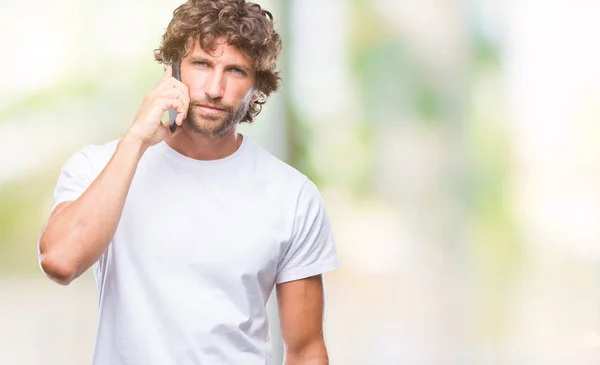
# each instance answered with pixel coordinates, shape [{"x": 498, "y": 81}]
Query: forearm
[
  {"x": 313, "y": 361},
  {"x": 314, "y": 353},
  {"x": 76, "y": 236}
]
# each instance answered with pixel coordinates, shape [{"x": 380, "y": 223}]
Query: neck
[{"x": 202, "y": 147}]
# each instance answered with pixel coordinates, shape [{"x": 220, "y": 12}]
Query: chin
[{"x": 208, "y": 127}]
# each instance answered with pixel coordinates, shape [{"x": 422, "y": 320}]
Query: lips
[{"x": 210, "y": 108}]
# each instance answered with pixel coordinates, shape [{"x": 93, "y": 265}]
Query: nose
[{"x": 215, "y": 85}]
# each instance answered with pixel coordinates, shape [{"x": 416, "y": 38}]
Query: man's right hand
[{"x": 170, "y": 93}]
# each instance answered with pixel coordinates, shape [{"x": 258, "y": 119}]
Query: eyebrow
[{"x": 207, "y": 60}]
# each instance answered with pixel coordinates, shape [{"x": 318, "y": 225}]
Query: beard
[{"x": 216, "y": 125}]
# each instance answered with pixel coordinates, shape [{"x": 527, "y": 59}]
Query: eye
[
  {"x": 238, "y": 71},
  {"x": 201, "y": 63}
]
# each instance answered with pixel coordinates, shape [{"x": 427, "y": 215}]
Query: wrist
[{"x": 133, "y": 143}]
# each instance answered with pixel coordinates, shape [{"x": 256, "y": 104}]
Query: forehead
[{"x": 223, "y": 52}]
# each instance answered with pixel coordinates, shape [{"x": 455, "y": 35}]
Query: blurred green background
[{"x": 455, "y": 144}]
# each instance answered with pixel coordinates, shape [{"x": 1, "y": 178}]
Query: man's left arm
[{"x": 301, "y": 305}]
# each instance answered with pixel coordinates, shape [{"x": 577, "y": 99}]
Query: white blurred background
[{"x": 455, "y": 144}]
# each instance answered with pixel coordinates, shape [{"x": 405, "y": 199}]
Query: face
[{"x": 220, "y": 83}]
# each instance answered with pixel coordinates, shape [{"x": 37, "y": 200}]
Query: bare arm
[
  {"x": 78, "y": 232},
  {"x": 301, "y": 317}
]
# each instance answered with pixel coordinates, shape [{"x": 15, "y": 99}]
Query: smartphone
[{"x": 173, "y": 112}]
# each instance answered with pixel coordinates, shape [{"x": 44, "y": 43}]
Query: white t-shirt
[{"x": 197, "y": 251}]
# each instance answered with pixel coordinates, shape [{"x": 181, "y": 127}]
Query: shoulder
[
  {"x": 100, "y": 154},
  {"x": 92, "y": 157},
  {"x": 274, "y": 169}
]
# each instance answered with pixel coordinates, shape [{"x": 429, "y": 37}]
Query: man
[{"x": 188, "y": 232}]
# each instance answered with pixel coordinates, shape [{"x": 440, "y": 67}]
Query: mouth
[{"x": 210, "y": 109}]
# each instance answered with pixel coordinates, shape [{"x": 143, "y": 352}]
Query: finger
[
  {"x": 183, "y": 88},
  {"x": 168, "y": 73},
  {"x": 166, "y": 104},
  {"x": 184, "y": 96},
  {"x": 173, "y": 103},
  {"x": 184, "y": 102},
  {"x": 167, "y": 86},
  {"x": 181, "y": 117},
  {"x": 170, "y": 83},
  {"x": 175, "y": 92},
  {"x": 184, "y": 93},
  {"x": 172, "y": 93},
  {"x": 166, "y": 130},
  {"x": 173, "y": 83},
  {"x": 179, "y": 93}
]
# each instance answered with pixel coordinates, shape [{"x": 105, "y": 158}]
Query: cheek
[
  {"x": 196, "y": 90},
  {"x": 195, "y": 85},
  {"x": 241, "y": 93},
  {"x": 247, "y": 97}
]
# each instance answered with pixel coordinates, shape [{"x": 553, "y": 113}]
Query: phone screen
[{"x": 173, "y": 112}]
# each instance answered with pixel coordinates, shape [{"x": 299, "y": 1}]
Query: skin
[
  {"x": 220, "y": 85},
  {"x": 213, "y": 95},
  {"x": 301, "y": 304}
]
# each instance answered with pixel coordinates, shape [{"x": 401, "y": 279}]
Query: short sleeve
[
  {"x": 311, "y": 250},
  {"x": 76, "y": 175}
]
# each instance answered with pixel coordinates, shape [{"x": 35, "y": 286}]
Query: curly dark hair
[{"x": 244, "y": 25}]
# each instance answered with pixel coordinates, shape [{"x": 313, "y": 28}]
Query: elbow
[
  {"x": 57, "y": 267},
  {"x": 56, "y": 270}
]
